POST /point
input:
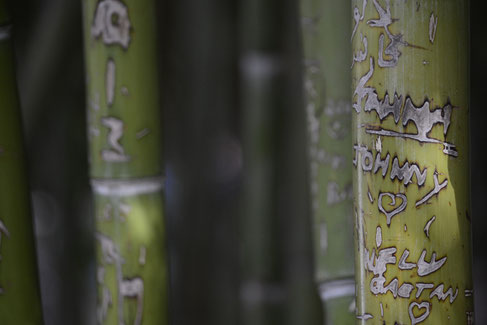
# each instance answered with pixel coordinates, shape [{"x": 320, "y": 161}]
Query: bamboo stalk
[
  {"x": 411, "y": 157},
  {"x": 277, "y": 286},
  {"x": 326, "y": 31},
  {"x": 19, "y": 286},
  {"x": 124, "y": 141}
]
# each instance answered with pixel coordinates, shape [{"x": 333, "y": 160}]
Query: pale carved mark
[
  {"x": 378, "y": 237},
  {"x": 385, "y": 17},
  {"x": 418, "y": 319},
  {"x": 378, "y": 145},
  {"x": 392, "y": 49},
  {"x": 142, "y": 133},
  {"x": 371, "y": 199},
  {"x": 442, "y": 296},
  {"x": 361, "y": 55},
  {"x": 112, "y": 23},
  {"x": 424, "y": 119},
  {"x": 470, "y": 317},
  {"x": 116, "y": 153},
  {"x": 420, "y": 287},
  {"x": 110, "y": 82},
  {"x": 381, "y": 310},
  {"x": 390, "y": 214},
  {"x": 362, "y": 92},
  {"x": 133, "y": 288},
  {"x": 403, "y": 264},
  {"x": 425, "y": 268},
  {"x": 405, "y": 290},
  {"x": 127, "y": 288},
  {"x": 405, "y": 172},
  {"x": 433, "y": 26},
  {"x": 428, "y": 226},
  {"x": 365, "y": 317},
  {"x": 357, "y": 17},
  {"x": 435, "y": 191},
  {"x": 468, "y": 292}
]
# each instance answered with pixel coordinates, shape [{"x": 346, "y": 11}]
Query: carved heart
[
  {"x": 416, "y": 320},
  {"x": 399, "y": 209}
]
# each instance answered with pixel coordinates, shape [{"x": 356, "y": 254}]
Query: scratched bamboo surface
[
  {"x": 19, "y": 285},
  {"x": 124, "y": 143},
  {"x": 411, "y": 183},
  {"x": 326, "y": 37}
]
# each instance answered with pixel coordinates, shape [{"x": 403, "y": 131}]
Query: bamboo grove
[{"x": 380, "y": 189}]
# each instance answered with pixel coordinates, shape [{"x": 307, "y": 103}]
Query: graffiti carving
[
  {"x": 361, "y": 55},
  {"x": 365, "y": 316},
  {"x": 438, "y": 292},
  {"x": 378, "y": 237},
  {"x": 357, "y": 17},
  {"x": 435, "y": 191},
  {"x": 396, "y": 210},
  {"x": 433, "y": 25},
  {"x": 403, "y": 173},
  {"x": 422, "y": 117},
  {"x": 391, "y": 50},
  {"x": 406, "y": 172},
  {"x": 425, "y": 268},
  {"x": 127, "y": 288},
  {"x": 112, "y": 23},
  {"x": 428, "y": 225},
  {"x": 418, "y": 319},
  {"x": 403, "y": 265},
  {"x": 116, "y": 153}
]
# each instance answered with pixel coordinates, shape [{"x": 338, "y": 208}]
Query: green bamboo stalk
[
  {"x": 326, "y": 32},
  {"x": 411, "y": 157},
  {"x": 19, "y": 286},
  {"x": 277, "y": 286},
  {"x": 124, "y": 141}
]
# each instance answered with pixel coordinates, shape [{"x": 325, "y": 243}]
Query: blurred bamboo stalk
[
  {"x": 277, "y": 286},
  {"x": 19, "y": 286},
  {"x": 411, "y": 158},
  {"x": 124, "y": 140},
  {"x": 326, "y": 31}
]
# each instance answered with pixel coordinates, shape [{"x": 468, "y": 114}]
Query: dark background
[{"x": 199, "y": 42}]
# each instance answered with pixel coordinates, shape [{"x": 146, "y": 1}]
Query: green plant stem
[
  {"x": 326, "y": 31},
  {"x": 19, "y": 286},
  {"x": 411, "y": 162},
  {"x": 124, "y": 141}
]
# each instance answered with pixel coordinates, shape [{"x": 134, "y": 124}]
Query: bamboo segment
[
  {"x": 326, "y": 33},
  {"x": 276, "y": 272},
  {"x": 19, "y": 285},
  {"x": 411, "y": 162},
  {"x": 124, "y": 140}
]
